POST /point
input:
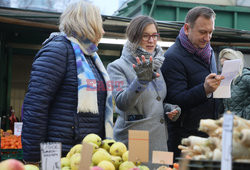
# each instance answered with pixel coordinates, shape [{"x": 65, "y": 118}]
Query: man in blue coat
[{"x": 190, "y": 71}]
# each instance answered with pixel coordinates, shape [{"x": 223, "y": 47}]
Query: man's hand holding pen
[{"x": 212, "y": 82}]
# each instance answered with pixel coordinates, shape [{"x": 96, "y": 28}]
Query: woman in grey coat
[{"x": 139, "y": 88}]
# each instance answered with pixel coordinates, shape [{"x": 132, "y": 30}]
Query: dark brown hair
[
  {"x": 136, "y": 26},
  {"x": 198, "y": 11}
]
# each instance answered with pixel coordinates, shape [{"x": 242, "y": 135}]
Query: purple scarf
[{"x": 203, "y": 53}]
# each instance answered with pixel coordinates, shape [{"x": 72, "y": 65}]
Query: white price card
[
  {"x": 18, "y": 128},
  {"x": 227, "y": 143},
  {"x": 51, "y": 155}
]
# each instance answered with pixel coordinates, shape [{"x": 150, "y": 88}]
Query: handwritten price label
[
  {"x": 18, "y": 128},
  {"x": 51, "y": 155}
]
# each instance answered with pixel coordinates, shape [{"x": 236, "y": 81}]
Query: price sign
[
  {"x": 51, "y": 155},
  {"x": 161, "y": 157},
  {"x": 138, "y": 143},
  {"x": 226, "y": 160},
  {"x": 86, "y": 155},
  {"x": 18, "y": 128}
]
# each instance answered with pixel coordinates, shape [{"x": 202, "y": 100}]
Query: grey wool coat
[{"x": 133, "y": 98}]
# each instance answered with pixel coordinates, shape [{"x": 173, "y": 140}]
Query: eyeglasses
[{"x": 146, "y": 37}]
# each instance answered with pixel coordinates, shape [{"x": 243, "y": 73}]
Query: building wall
[
  {"x": 214, "y": 2},
  {"x": 245, "y": 3},
  {"x": 228, "y": 14}
]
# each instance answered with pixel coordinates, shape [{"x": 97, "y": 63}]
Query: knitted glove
[{"x": 144, "y": 71}]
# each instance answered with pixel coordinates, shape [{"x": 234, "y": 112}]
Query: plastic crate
[{"x": 11, "y": 154}]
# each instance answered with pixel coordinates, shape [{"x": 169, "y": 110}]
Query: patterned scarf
[
  {"x": 158, "y": 54},
  {"x": 203, "y": 53},
  {"x": 87, "y": 86},
  {"x": 87, "y": 92}
]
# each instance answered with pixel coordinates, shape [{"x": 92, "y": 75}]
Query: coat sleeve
[
  {"x": 48, "y": 70},
  {"x": 125, "y": 93},
  {"x": 176, "y": 78}
]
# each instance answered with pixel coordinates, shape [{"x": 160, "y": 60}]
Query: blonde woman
[
  {"x": 239, "y": 103},
  {"x": 67, "y": 97}
]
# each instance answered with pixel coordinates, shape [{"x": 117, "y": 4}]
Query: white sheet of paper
[
  {"x": 18, "y": 128},
  {"x": 230, "y": 70}
]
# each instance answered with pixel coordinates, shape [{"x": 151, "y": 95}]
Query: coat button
[
  {"x": 73, "y": 127},
  {"x": 162, "y": 120},
  {"x": 158, "y": 98}
]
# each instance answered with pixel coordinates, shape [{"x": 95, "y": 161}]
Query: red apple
[{"x": 11, "y": 164}]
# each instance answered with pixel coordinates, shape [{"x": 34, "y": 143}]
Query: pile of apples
[
  {"x": 13, "y": 164},
  {"x": 107, "y": 154}
]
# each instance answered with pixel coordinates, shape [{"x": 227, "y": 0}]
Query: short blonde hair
[
  {"x": 82, "y": 19},
  {"x": 231, "y": 54}
]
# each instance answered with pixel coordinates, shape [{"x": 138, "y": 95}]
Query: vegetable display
[{"x": 199, "y": 148}]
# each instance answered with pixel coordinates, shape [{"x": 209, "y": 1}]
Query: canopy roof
[{"x": 114, "y": 26}]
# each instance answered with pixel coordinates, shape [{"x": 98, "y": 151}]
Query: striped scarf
[
  {"x": 87, "y": 92},
  {"x": 203, "y": 53}
]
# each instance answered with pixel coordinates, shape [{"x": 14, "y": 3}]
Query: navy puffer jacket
[{"x": 50, "y": 104}]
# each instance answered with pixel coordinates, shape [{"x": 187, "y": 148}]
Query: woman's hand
[
  {"x": 172, "y": 111},
  {"x": 171, "y": 115},
  {"x": 144, "y": 69}
]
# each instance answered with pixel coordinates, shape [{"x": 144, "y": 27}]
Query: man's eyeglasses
[{"x": 146, "y": 37}]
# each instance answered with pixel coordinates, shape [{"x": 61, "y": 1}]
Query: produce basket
[
  {"x": 210, "y": 165},
  {"x": 11, "y": 154}
]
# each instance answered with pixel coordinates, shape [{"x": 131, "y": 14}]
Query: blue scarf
[
  {"x": 87, "y": 85},
  {"x": 204, "y": 53}
]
